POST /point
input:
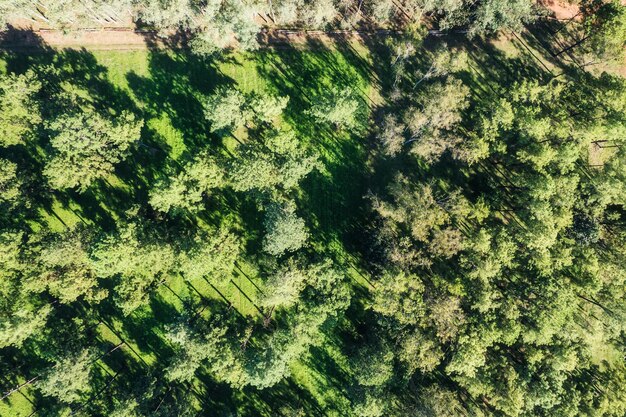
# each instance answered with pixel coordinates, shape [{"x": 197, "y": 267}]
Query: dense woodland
[{"x": 437, "y": 230}]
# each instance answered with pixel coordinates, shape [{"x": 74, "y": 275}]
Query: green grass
[{"x": 19, "y": 404}]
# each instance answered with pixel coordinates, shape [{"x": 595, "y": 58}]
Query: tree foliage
[
  {"x": 472, "y": 265},
  {"x": 187, "y": 189},
  {"x": 19, "y": 108},
  {"x": 85, "y": 147},
  {"x": 137, "y": 258},
  {"x": 68, "y": 378},
  {"x": 284, "y": 230},
  {"x": 341, "y": 108}
]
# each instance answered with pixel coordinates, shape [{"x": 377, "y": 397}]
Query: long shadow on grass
[
  {"x": 174, "y": 88},
  {"x": 331, "y": 198}
]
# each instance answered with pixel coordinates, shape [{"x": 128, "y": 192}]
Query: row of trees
[
  {"x": 82, "y": 146},
  {"x": 217, "y": 24}
]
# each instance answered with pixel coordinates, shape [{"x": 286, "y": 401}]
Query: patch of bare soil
[
  {"x": 562, "y": 9},
  {"x": 106, "y": 39}
]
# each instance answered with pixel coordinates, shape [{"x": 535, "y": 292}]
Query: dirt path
[
  {"x": 133, "y": 39},
  {"x": 91, "y": 39}
]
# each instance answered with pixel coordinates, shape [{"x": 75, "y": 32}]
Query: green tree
[
  {"x": 193, "y": 349},
  {"x": 437, "y": 401},
  {"x": 22, "y": 315},
  {"x": 10, "y": 185},
  {"x": 278, "y": 159},
  {"x": 186, "y": 190},
  {"x": 319, "y": 14},
  {"x": 283, "y": 288},
  {"x": 341, "y": 108},
  {"x": 169, "y": 14},
  {"x": 444, "y": 61},
  {"x": 65, "y": 269},
  {"x": 284, "y": 230},
  {"x": 69, "y": 14},
  {"x": 268, "y": 108},
  {"x": 432, "y": 125},
  {"x": 373, "y": 404},
  {"x": 226, "y": 109},
  {"x": 400, "y": 296},
  {"x": 138, "y": 258},
  {"x": 19, "y": 107},
  {"x": 491, "y": 16},
  {"x": 392, "y": 135},
  {"x": 126, "y": 408},
  {"x": 373, "y": 365},
  {"x": 12, "y": 9},
  {"x": 86, "y": 147},
  {"x": 210, "y": 255},
  {"x": 22, "y": 318},
  {"x": 68, "y": 379},
  {"x": 604, "y": 30},
  {"x": 220, "y": 23}
]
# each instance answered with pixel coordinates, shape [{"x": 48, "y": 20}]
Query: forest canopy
[{"x": 425, "y": 221}]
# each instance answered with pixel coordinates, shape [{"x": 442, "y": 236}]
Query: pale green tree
[
  {"x": 268, "y": 108},
  {"x": 211, "y": 255},
  {"x": 224, "y": 24},
  {"x": 126, "y": 408},
  {"x": 319, "y": 14},
  {"x": 19, "y": 107},
  {"x": 65, "y": 269},
  {"x": 284, "y": 230},
  {"x": 373, "y": 364},
  {"x": 68, "y": 379},
  {"x": 10, "y": 184},
  {"x": 432, "y": 123},
  {"x": 278, "y": 159},
  {"x": 493, "y": 15},
  {"x": 226, "y": 109},
  {"x": 22, "y": 315},
  {"x": 168, "y": 14},
  {"x": 605, "y": 30},
  {"x": 138, "y": 258},
  {"x": 283, "y": 288},
  {"x": 14, "y": 9},
  {"x": 186, "y": 190},
  {"x": 392, "y": 135},
  {"x": 77, "y": 13},
  {"x": 86, "y": 147},
  {"x": 340, "y": 107}
]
